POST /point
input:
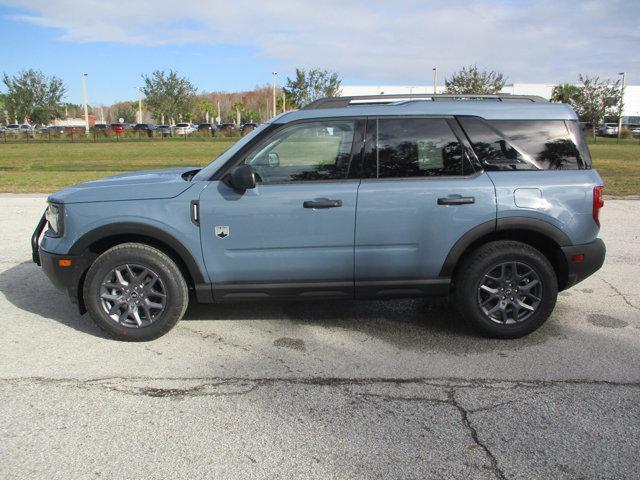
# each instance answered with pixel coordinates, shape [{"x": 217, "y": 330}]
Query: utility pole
[
  {"x": 139, "y": 104},
  {"x": 284, "y": 102},
  {"x": 624, "y": 81},
  {"x": 435, "y": 79},
  {"x": 86, "y": 110},
  {"x": 273, "y": 79},
  {"x": 218, "y": 117}
]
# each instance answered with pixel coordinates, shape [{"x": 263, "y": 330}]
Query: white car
[
  {"x": 13, "y": 128},
  {"x": 608, "y": 129},
  {"x": 185, "y": 128},
  {"x": 26, "y": 129}
]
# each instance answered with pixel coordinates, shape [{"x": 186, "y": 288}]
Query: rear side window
[
  {"x": 415, "y": 147},
  {"x": 526, "y": 144}
]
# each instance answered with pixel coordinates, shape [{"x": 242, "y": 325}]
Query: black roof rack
[{"x": 338, "y": 102}]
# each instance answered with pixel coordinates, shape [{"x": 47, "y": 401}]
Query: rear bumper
[{"x": 593, "y": 258}]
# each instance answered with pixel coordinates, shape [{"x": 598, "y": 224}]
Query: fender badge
[{"x": 221, "y": 232}]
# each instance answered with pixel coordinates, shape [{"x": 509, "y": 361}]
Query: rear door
[
  {"x": 420, "y": 193},
  {"x": 293, "y": 234}
]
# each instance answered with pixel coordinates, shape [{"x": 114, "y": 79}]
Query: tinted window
[
  {"x": 309, "y": 151},
  {"x": 524, "y": 144},
  {"x": 418, "y": 147}
]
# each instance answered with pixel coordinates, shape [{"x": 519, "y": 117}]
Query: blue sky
[{"x": 223, "y": 45}]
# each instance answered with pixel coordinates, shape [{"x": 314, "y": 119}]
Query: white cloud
[{"x": 398, "y": 41}]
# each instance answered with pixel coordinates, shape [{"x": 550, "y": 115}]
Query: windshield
[
  {"x": 210, "y": 169},
  {"x": 182, "y": 125}
]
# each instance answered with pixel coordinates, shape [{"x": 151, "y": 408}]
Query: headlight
[{"x": 54, "y": 219}]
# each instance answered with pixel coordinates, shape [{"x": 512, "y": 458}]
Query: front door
[
  {"x": 421, "y": 195},
  {"x": 293, "y": 234}
]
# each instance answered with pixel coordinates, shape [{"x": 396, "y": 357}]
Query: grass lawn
[
  {"x": 43, "y": 167},
  {"x": 618, "y": 164}
]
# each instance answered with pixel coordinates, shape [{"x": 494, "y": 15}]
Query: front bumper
[
  {"x": 592, "y": 259},
  {"x": 69, "y": 277}
]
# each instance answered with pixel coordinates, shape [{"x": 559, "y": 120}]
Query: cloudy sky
[{"x": 227, "y": 45}]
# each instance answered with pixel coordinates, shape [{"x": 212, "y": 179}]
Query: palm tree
[{"x": 238, "y": 107}]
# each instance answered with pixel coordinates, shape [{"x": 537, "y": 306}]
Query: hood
[{"x": 144, "y": 185}]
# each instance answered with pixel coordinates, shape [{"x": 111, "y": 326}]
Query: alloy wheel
[
  {"x": 510, "y": 292},
  {"x": 133, "y": 295}
]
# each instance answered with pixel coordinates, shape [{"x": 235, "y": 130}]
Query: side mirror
[
  {"x": 274, "y": 159},
  {"x": 242, "y": 178}
]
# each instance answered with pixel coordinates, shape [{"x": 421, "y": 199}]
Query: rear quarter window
[{"x": 527, "y": 144}]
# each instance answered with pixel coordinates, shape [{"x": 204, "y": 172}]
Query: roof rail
[{"x": 338, "y": 102}]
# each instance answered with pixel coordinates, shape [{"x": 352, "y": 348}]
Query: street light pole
[
  {"x": 139, "y": 104},
  {"x": 435, "y": 79},
  {"x": 624, "y": 80},
  {"x": 86, "y": 110},
  {"x": 273, "y": 79}
]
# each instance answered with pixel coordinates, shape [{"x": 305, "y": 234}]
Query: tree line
[{"x": 170, "y": 97}]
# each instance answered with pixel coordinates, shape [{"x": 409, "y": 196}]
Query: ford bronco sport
[{"x": 489, "y": 199}]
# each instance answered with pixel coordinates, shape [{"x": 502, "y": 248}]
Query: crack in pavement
[
  {"x": 442, "y": 382},
  {"x": 619, "y": 293},
  {"x": 447, "y": 387},
  {"x": 495, "y": 468},
  {"x": 464, "y": 415}
]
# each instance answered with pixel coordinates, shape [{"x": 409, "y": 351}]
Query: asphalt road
[{"x": 398, "y": 389}]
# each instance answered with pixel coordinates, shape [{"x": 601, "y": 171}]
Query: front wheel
[
  {"x": 135, "y": 292},
  {"x": 506, "y": 289}
]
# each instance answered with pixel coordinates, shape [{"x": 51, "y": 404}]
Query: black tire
[
  {"x": 471, "y": 274},
  {"x": 171, "y": 279}
]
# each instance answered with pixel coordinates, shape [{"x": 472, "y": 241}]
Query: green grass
[
  {"x": 44, "y": 167},
  {"x": 618, "y": 165}
]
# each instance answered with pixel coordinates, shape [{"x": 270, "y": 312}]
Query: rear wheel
[
  {"x": 135, "y": 292},
  {"x": 506, "y": 289}
]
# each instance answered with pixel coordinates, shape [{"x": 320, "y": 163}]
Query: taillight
[{"x": 598, "y": 203}]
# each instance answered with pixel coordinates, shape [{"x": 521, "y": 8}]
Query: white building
[{"x": 630, "y": 112}]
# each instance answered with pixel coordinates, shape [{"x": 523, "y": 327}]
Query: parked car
[
  {"x": 247, "y": 127},
  {"x": 227, "y": 127},
  {"x": 146, "y": 128},
  {"x": 26, "y": 130},
  {"x": 608, "y": 129},
  {"x": 163, "y": 130},
  {"x": 492, "y": 202},
  {"x": 13, "y": 129},
  {"x": 184, "y": 129},
  {"x": 101, "y": 129},
  {"x": 117, "y": 128},
  {"x": 207, "y": 127}
]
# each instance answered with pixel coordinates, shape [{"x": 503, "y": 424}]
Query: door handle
[
  {"x": 322, "y": 203},
  {"x": 457, "y": 200}
]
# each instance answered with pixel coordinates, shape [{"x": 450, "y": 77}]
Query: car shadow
[{"x": 421, "y": 324}]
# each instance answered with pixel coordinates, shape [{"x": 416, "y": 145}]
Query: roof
[{"x": 515, "y": 109}]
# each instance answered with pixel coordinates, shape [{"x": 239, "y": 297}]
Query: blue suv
[{"x": 489, "y": 199}]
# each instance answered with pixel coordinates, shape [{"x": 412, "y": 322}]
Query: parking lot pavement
[{"x": 398, "y": 389}]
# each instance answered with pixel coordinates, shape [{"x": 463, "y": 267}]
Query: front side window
[
  {"x": 418, "y": 147},
  {"x": 308, "y": 151}
]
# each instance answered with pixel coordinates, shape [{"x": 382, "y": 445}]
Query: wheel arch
[
  {"x": 99, "y": 240},
  {"x": 539, "y": 234}
]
